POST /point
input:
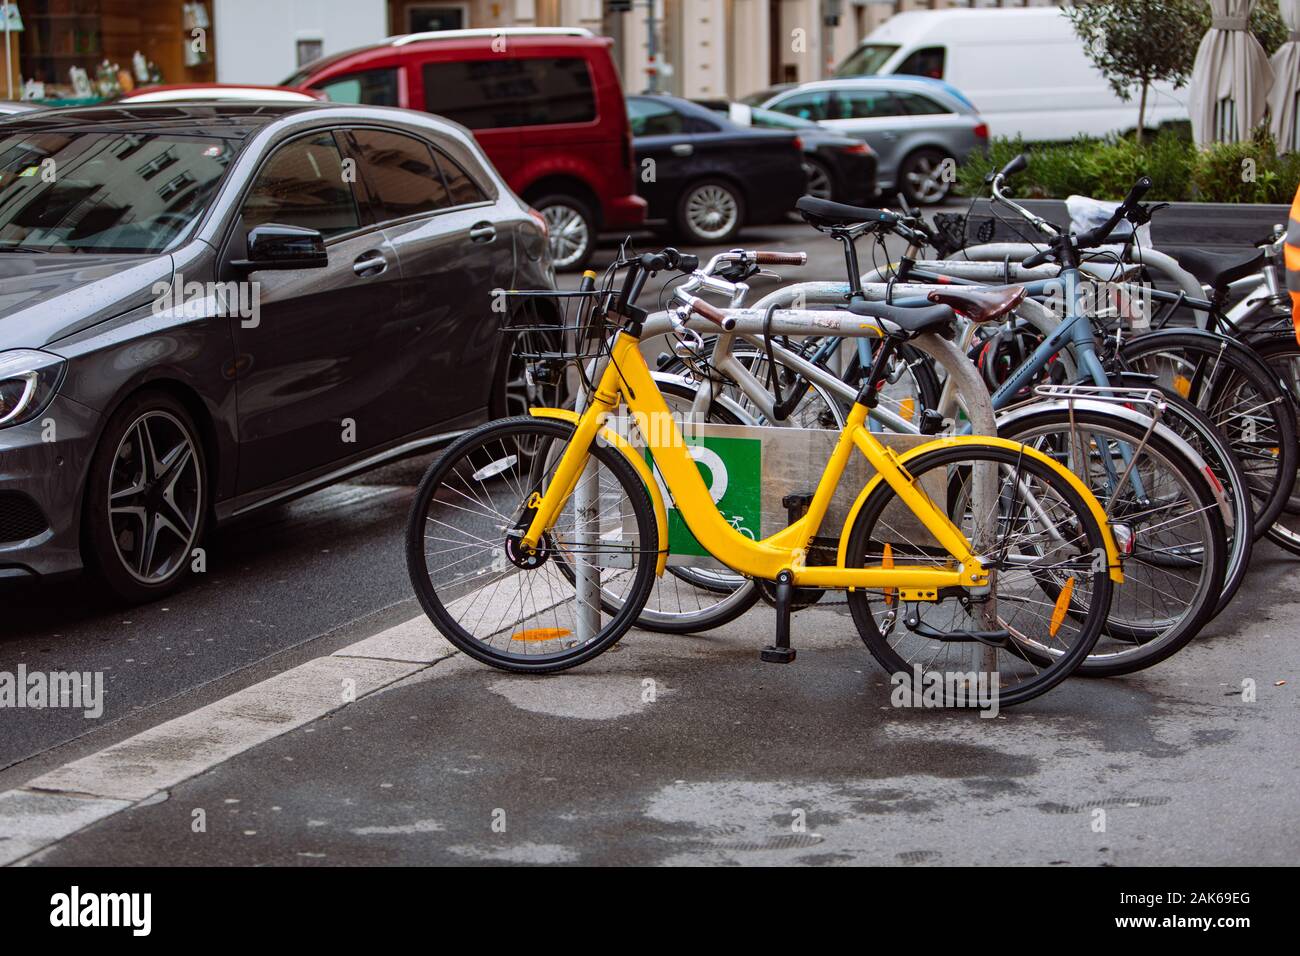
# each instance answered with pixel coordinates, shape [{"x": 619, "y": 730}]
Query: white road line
[{"x": 59, "y": 803}]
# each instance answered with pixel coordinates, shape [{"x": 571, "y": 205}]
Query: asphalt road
[
  {"x": 277, "y": 583},
  {"x": 584, "y": 768}
]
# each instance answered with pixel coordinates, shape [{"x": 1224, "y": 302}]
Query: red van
[{"x": 546, "y": 105}]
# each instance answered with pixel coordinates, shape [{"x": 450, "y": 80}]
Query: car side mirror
[{"x": 274, "y": 245}]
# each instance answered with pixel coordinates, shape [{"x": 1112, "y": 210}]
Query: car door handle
[
  {"x": 889, "y": 136},
  {"x": 369, "y": 264},
  {"x": 682, "y": 149},
  {"x": 482, "y": 232}
]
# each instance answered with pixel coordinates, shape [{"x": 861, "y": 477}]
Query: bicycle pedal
[{"x": 777, "y": 655}]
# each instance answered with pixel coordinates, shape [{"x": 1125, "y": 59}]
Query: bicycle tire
[
  {"x": 1228, "y": 365},
  {"x": 1282, "y": 354},
  {"x": 434, "y": 599},
  {"x": 1131, "y": 645},
  {"x": 1073, "y": 507}
]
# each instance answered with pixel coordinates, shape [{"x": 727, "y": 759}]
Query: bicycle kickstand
[{"x": 781, "y": 652}]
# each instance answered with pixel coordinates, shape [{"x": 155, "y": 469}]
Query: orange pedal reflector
[
  {"x": 1062, "y": 602},
  {"x": 887, "y": 561},
  {"x": 541, "y": 634}
]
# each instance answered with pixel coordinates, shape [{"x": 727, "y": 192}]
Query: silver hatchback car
[{"x": 914, "y": 124}]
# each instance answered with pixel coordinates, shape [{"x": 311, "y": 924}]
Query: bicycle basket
[{"x": 554, "y": 336}]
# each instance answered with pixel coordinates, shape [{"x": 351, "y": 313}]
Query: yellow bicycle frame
[{"x": 627, "y": 377}]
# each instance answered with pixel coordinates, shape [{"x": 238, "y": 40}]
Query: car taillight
[
  {"x": 857, "y": 149},
  {"x": 982, "y": 131},
  {"x": 798, "y": 144},
  {"x": 541, "y": 222}
]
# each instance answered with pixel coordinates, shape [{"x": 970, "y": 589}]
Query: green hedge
[{"x": 1107, "y": 168}]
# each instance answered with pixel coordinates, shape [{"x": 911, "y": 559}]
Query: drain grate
[
  {"x": 791, "y": 841},
  {"x": 1110, "y": 803}
]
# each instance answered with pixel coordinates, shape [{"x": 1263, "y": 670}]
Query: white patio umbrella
[
  {"x": 1230, "y": 78},
  {"x": 1282, "y": 101}
]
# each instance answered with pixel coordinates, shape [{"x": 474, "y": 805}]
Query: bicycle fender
[
  {"x": 1108, "y": 539},
  {"x": 637, "y": 462}
]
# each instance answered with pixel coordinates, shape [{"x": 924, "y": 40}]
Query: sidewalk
[{"x": 441, "y": 760}]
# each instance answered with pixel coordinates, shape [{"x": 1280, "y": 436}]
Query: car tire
[
  {"x": 147, "y": 498},
  {"x": 710, "y": 212},
  {"x": 571, "y": 230},
  {"x": 919, "y": 180},
  {"x": 821, "y": 183}
]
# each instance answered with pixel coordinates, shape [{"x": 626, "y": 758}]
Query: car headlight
[{"x": 28, "y": 381}]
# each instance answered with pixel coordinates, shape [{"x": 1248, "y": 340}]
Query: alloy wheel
[
  {"x": 155, "y": 496},
  {"x": 712, "y": 211},
  {"x": 925, "y": 180},
  {"x": 569, "y": 235},
  {"x": 819, "y": 183}
]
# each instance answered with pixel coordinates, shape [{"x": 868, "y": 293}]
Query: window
[
  {"x": 914, "y": 104},
  {"x": 809, "y": 106},
  {"x": 651, "y": 118},
  {"x": 864, "y": 104},
  {"x": 866, "y": 59},
  {"x": 463, "y": 190},
  {"x": 302, "y": 184},
  {"x": 371, "y": 88},
  {"x": 503, "y": 92},
  {"x": 400, "y": 174},
  {"x": 927, "y": 61},
  {"x": 108, "y": 195}
]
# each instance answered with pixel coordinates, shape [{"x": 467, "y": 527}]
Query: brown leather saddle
[{"x": 982, "y": 305}]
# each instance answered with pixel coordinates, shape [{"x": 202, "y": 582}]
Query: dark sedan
[
  {"x": 212, "y": 308},
  {"x": 838, "y": 167},
  {"x": 705, "y": 176}
]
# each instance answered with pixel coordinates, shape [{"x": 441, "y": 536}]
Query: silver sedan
[{"x": 919, "y": 128}]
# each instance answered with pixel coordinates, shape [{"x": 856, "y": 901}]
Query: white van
[{"x": 1024, "y": 69}]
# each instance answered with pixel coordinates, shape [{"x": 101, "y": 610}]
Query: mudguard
[{"x": 1112, "y": 552}]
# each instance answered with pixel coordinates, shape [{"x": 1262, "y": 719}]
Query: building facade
[{"x": 697, "y": 48}]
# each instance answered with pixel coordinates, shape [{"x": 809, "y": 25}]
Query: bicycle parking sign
[{"x": 732, "y": 469}]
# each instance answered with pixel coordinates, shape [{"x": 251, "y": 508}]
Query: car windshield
[
  {"x": 70, "y": 191},
  {"x": 868, "y": 58}
]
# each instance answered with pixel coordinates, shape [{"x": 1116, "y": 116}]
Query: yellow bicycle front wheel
[{"x": 1035, "y": 528}]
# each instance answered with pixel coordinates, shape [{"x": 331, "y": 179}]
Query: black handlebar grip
[
  {"x": 1016, "y": 165},
  {"x": 1140, "y": 189},
  {"x": 1037, "y": 259}
]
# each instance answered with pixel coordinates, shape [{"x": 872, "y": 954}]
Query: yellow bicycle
[{"x": 534, "y": 541}]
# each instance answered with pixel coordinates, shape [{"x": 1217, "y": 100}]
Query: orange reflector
[
  {"x": 1182, "y": 385},
  {"x": 1062, "y": 602},
  {"x": 887, "y": 561},
  {"x": 906, "y": 409},
  {"x": 541, "y": 634}
]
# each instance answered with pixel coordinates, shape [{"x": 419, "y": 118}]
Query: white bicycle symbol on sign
[{"x": 718, "y": 482}]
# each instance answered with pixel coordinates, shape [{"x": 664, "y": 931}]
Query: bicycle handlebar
[
  {"x": 1016, "y": 165},
  {"x": 1096, "y": 236},
  {"x": 712, "y": 313},
  {"x": 780, "y": 258}
]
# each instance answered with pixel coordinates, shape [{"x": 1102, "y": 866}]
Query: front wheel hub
[{"x": 527, "y": 560}]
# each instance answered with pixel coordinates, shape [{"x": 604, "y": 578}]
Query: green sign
[{"x": 732, "y": 469}]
